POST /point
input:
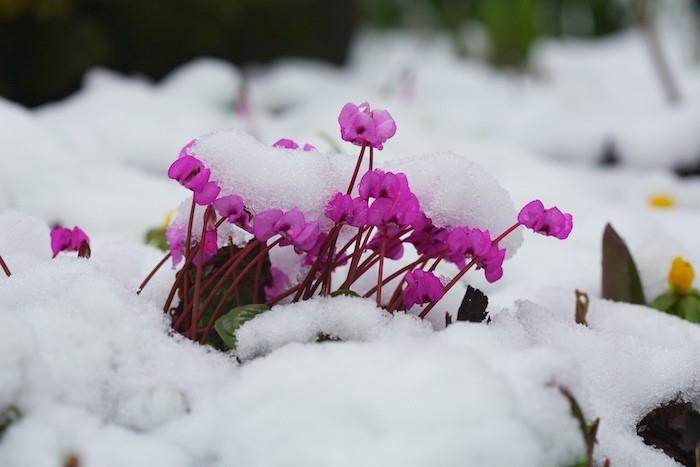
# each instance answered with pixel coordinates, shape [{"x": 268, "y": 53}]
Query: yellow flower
[
  {"x": 681, "y": 275},
  {"x": 168, "y": 217},
  {"x": 662, "y": 201}
]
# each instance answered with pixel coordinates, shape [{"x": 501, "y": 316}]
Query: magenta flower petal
[
  {"x": 210, "y": 247},
  {"x": 187, "y": 149},
  {"x": 207, "y": 194},
  {"x": 306, "y": 240},
  {"x": 285, "y": 143},
  {"x": 339, "y": 208},
  {"x": 60, "y": 240},
  {"x": 531, "y": 214},
  {"x": 264, "y": 224},
  {"x": 230, "y": 206},
  {"x": 309, "y": 147},
  {"x": 359, "y": 213},
  {"x": 175, "y": 236},
  {"x": 551, "y": 222},
  {"x": 279, "y": 282},
  {"x": 78, "y": 237},
  {"x": 421, "y": 287},
  {"x": 291, "y": 223}
]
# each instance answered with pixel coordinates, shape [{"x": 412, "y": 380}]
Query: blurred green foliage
[{"x": 47, "y": 45}]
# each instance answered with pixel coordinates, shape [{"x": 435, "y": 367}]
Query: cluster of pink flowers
[
  {"x": 385, "y": 215},
  {"x": 63, "y": 239}
]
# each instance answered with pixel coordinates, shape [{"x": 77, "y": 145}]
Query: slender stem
[
  {"x": 382, "y": 251},
  {"x": 256, "y": 283},
  {"x": 232, "y": 287},
  {"x": 283, "y": 295},
  {"x": 454, "y": 280},
  {"x": 186, "y": 266},
  {"x": 198, "y": 275},
  {"x": 466, "y": 268},
  {"x": 371, "y": 158},
  {"x": 396, "y": 274},
  {"x": 4, "y": 267},
  {"x": 357, "y": 169},
  {"x": 152, "y": 273},
  {"x": 435, "y": 264}
]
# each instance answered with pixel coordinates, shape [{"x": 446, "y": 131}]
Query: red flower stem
[
  {"x": 454, "y": 280},
  {"x": 186, "y": 266},
  {"x": 162, "y": 261},
  {"x": 372, "y": 259},
  {"x": 282, "y": 296},
  {"x": 371, "y": 158},
  {"x": 228, "y": 267},
  {"x": 397, "y": 274},
  {"x": 382, "y": 250},
  {"x": 357, "y": 256},
  {"x": 198, "y": 275},
  {"x": 327, "y": 270},
  {"x": 4, "y": 267},
  {"x": 256, "y": 284},
  {"x": 232, "y": 287},
  {"x": 435, "y": 264},
  {"x": 466, "y": 268},
  {"x": 308, "y": 280},
  {"x": 357, "y": 169}
]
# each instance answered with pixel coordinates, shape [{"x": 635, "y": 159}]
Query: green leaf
[
  {"x": 620, "y": 277},
  {"x": 665, "y": 302},
  {"x": 689, "y": 308},
  {"x": 227, "y": 325},
  {"x": 156, "y": 238},
  {"x": 344, "y": 292}
]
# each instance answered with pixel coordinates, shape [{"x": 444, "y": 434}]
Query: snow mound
[{"x": 345, "y": 318}]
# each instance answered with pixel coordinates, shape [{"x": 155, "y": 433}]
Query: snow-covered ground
[{"x": 95, "y": 372}]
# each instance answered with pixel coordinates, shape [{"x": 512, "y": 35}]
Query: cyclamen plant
[{"x": 381, "y": 213}]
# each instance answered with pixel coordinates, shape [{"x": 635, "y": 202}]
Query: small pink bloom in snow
[
  {"x": 421, "y": 287},
  {"x": 231, "y": 207},
  {"x": 286, "y": 143},
  {"x": 207, "y": 194},
  {"x": 189, "y": 172},
  {"x": 364, "y": 127},
  {"x": 551, "y": 222},
  {"x": 63, "y": 239},
  {"x": 343, "y": 208}
]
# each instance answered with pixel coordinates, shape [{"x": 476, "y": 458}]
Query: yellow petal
[
  {"x": 662, "y": 201},
  {"x": 168, "y": 217},
  {"x": 681, "y": 276}
]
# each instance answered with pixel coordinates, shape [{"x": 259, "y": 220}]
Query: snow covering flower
[
  {"x": 551, "y": 222},
  {"x": 421, "y": 287},
  {"x": 344, "y": 208},
  {"x": 279, "y": 282},
  {"x": 680, "y": 277},
  {"x": 191, "y": 173},
  {"x": 291, "y": 225},
  {"x": 286, "y": 143},
  {"x": 364, "y": 127},
  {"x": 63, "y": 239}
]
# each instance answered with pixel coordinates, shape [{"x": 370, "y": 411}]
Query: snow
[{"x": 95, "y": 371}]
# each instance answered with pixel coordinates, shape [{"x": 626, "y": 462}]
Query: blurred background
[{"x": 46, "y": 46}]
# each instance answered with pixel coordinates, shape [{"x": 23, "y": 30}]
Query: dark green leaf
[
  {"x": 344, "y": 292},
  {"x": 689, "y": 308},
  {"x": 227, "y": 325},
  {"x": 620, "y": 277},
  {"x": 665, "y": 302}
]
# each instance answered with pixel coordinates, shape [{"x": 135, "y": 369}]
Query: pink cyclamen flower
[
  {"x": 189, "y": 172},
  {"x": 286, "y": 143},
  {"x": 175, "y": 237},
  {"x": 279, "y": 282},
  {"x": 421, "y": 287},
  {"x": 291, "y": 225},
  {"x": 393, "y": 247},
  {"x": 231, "y": 207},
  {"x": 364, "y": 127},
  {"x": 463, "y": 243},
  {"x": 63, "y": 239},
  {"x": 210, "y": 247},
  {"x": 207, "y": 194},
  {"x": 551, "y": 222},
  {"x": 343, "y": 208},
  {"x": 492, "y": 263},
  {"x": 427, "y": 238}
]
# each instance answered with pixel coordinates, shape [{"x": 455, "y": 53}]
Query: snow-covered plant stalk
[{"x": 377, "y": 217}]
